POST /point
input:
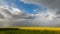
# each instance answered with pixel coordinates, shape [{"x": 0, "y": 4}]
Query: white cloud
[{"x": 10, "y": 18}]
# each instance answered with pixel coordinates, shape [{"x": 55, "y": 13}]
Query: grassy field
[{"x": 30, "y": 30}]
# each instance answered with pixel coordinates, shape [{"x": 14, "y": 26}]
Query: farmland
[{"x": 30, "y": 30}]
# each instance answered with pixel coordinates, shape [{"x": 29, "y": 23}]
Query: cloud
[
  {"x": 11, "y": 16},
  {"x": 49, "y": 18}
]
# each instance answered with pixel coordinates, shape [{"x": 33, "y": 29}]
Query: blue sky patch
[{"x": 23, "y": 6}]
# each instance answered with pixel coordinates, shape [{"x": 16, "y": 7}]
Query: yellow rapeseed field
[{"x": 38, "y": 28}]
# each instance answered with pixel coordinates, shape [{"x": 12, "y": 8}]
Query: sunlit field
[
  {"x": 39, "y": 28},
  {"x": 30, "y": 30}
]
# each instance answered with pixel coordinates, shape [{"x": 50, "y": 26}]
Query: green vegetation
[{"x": 21, "y": 31}]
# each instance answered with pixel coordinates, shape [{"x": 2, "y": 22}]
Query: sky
[{"x": 30, "y": 13}]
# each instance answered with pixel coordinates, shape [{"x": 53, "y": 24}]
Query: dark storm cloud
[{"x": 58, "y": 12}]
